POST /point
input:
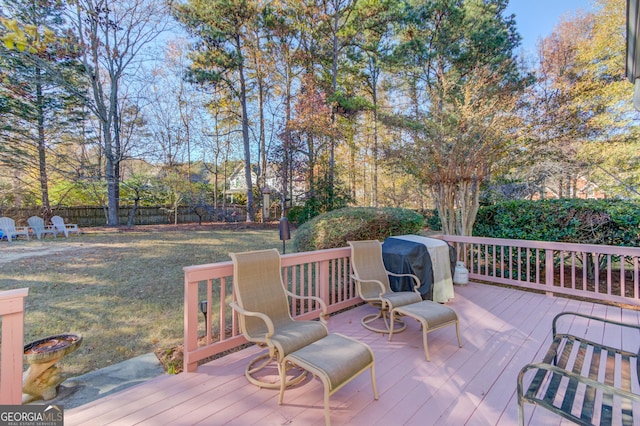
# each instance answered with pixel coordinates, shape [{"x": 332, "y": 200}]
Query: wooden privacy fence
[{"x": 96, "y": 216}]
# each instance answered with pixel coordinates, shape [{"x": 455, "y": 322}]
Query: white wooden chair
[
  {"x": 64, "y": 228},
  {"x": 39, "y": 228},
  {"x": 9, "y": 230}
]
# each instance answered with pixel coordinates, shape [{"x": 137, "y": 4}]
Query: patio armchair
[
  {"x": 265, "y": 314},
  {"x": 372, "y": 284},
  {"x": 63, "y": 228},
  {"x": 39, "y": 228},
  {"x": 9, "y": 230}
]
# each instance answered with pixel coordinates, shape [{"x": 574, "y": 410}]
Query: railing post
[
  {"x": 12, "y": 348},
  {"x": 549, "y": 270},
  {"x": 190, "y": 324},
  {"x": 323, "y": 275}
]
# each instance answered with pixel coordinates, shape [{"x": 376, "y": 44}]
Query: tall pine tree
[{"x": 38, "y": 88}]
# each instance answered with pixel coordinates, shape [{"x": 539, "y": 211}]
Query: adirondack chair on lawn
[
  {"x": 39, "y": 228},
  {"x": 63, "y": 228},
  {"x": 9, "y": 230}
]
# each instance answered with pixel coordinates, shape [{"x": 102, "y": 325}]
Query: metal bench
[{"x": 585, "y": 381}]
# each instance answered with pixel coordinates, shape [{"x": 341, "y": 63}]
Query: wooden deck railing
[
  {"x": 596, "y": 272},
  {"x": 12, "y": 346},
  {"x": 209, "y": 289}
]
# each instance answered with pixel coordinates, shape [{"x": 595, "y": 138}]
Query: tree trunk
[
  {"x": 334, "y": 87},
  {"x": 225, "y": 177},
  {"x": 374, "y": 87},
  {"x": 286, "y": 149},
  {"x": 468, "y": 199},
  {"x": 132, "y": 213},
  {"x": 262, "y": 143},
  {"x": 245, "y": 134},
  {"x": 312, "y": 163},
  {"x": 42, "y": 147},
  {"x": 444, "y": 196},
  {"x": 114, "y": 192},
  {"x": 263, "y": 148}
]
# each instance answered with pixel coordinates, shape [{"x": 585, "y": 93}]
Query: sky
[{"x": 537, "y": 18}]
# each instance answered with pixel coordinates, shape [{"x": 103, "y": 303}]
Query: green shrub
[
  {"x": 611, "y": 222},
  {"x": 335, "y": 228},
  {"x": 432, "y": 219},
  {"x": 324, "y": 197},
  {"x": 298, "y": 215}
]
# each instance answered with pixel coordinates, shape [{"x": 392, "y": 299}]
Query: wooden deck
[{"x": 502, "y": 330}]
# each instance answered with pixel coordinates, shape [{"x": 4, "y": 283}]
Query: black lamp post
[
  {"x": 285, "y": 232},
  {"x": 203, "y": 309}
]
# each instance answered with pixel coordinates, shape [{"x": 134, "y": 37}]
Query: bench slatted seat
[{"x": 585, "y": 381}]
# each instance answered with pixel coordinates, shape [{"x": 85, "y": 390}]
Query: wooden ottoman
[
  {"x": 431, "y": 315},
  {"x": 336, "y": 360}
]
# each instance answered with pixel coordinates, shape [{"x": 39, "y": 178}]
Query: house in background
[
  {"x": 581, "y": 188},
  {"x": 237, "y": 184}
]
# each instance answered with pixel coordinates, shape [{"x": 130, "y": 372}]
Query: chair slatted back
[
  {"x": 367, "y": 264},
  {"x": 257, "y": 282},
  {"x": 7, "y": 224},
  {"x": 37, "y": 223}
]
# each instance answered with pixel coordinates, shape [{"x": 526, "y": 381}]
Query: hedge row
[{"x": 610, "y": 222}]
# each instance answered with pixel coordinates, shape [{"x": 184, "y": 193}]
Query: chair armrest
[
  {"x": 415, "y": 279},
  {"x": 359, "y": 282},
  {"x": 572, "y": 376},
  {"x": 263, "y": 317},
  {"x": 323, "y": 306},
  {"x": 590, "y": 317}
]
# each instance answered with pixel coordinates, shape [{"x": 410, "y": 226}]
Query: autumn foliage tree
[
  {"x": 612, "y": 149},
  {"x": 311, "y": 130},
  {"x": 461, "y": 141},
  {"x": 463, "y": 78},
  {"x": 556, "y": 123},
  {"x": 581, "y": 123}
]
